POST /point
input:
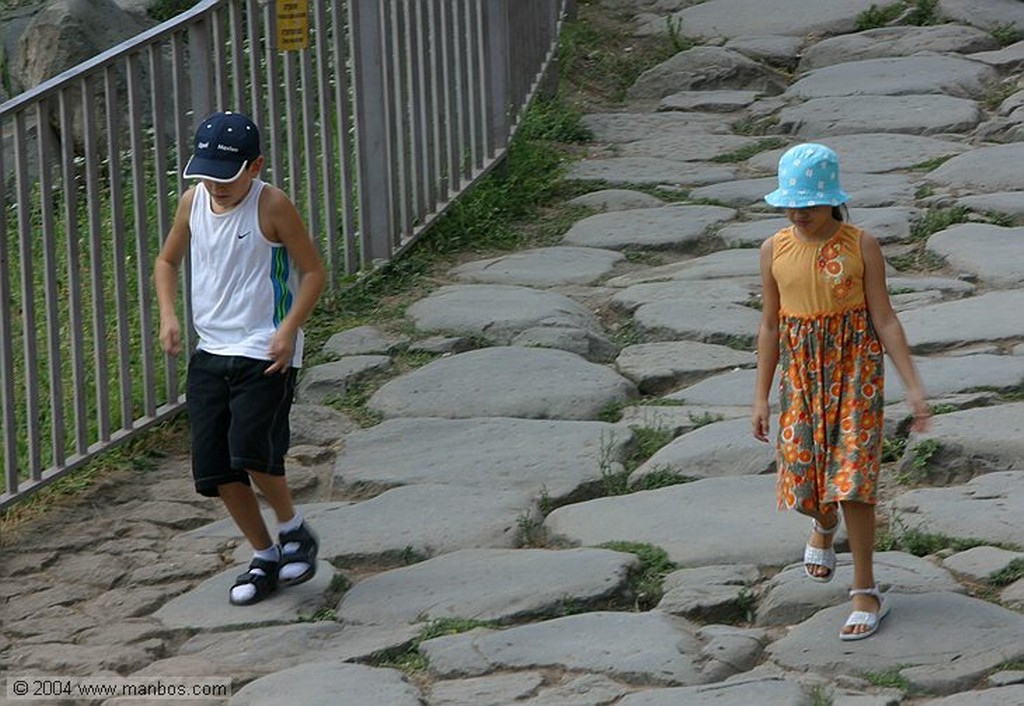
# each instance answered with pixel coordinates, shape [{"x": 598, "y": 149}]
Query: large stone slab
[
  {"x": 896, "y": 41},
  {"x": 542, "y": 267},
  {"x": 502, "y": 585},
  {"x": 705, "y": 67},
  {"x": 1008, "y": 202},
  {"x": 687, "y": 148},
  {"x": 627, "y": 127},
  {"x": 497, "y": 312},
  {"x": 737, "y": 262},
  {"x": 724, "y": 101},
  {"x": 206, "y": 607},
  {"x": 993, "y": 316},
  {"x": 648, "y": 648},
  {"x": 986, "y": 508},
  {"x": 790, "y": 598},
  {"x": 983, "y": 169},
  {"x": 649, "y": 171},
  {"x": 973, "y": 441},
  {"x": 725, "y": 448},
  {"x": 666, "y": 228},
  {"x": 896, "y": 76},
  {"x": 707, "y": 533},
  {"x": 320, "y": 682},
  {"x": 1000, "y": 696},
  {"x": 707, "y": 321},
  {"x": 919, "y": 639},
  {"x": 988, "y": 16},
  {"x": 919, "y": 115},
  {"x": 726, "y": 289},
  {"x": 991, "y": 253},
  {"x": 732, "y": 18},
  {"x": 874, "y": 153},
  {"x": 534, "y": 383},
  {"x": 322, "y": 382},
  {"x": 616, "y": 200},
  {"x": 767, "y": 691},
  {"x": 658, "y": 367},
  {"x": 533, "y": 456}
]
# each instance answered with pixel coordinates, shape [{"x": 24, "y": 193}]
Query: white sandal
[
  {"x": 865, "y": 617},
  {"x": 816, "y": 556}
]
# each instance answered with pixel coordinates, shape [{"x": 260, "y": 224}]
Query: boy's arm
[
  {"x": 281, "y": 222},
  {"x": 165, "y": 274}
]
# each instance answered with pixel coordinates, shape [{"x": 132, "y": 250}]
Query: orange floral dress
[{"x": 831, "y": 373}]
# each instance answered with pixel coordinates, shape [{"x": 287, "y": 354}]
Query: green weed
[
  {"x": 890, "y": 678},
  {"x": 1012, "y": 572},
  {"x": 745, "y": 153},
  {"x": 647, "y": 580},
  {"x": 875, "y": 16},
  {"x": 409, "y": 659}
]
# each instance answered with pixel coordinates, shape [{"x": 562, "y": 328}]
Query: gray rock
[
  {"x": 705, "y": 68},
  {"x": 919, "y": 115},
  {"x": 364, "y": 340},
  {"x": 1003, "y": 696},
  {"x": 992, "y": 316},
  {"x": 707, "y": 321},
  {"x": 332, "y": 380},
  {"x": 1008, "y": 202},
  {"x": 775, "y": 691},
  {"x": 496, "y": 312},
  {"x": 732, "y": 18},
  {"x": 710, "y": 593},
  {"x": 534, "y": 383},
  {"x": 658, "y": 367},
  {"x": 896, "y": 41},
  {"x": 542, "y": 267},
  {"x": 710, "y": 101},
  {"x": 491, "y": 690},
  {"x": 669, "y": 227},
  {"x": 725, "y": 448},
  {"x": 687, "y": 148},
  {"x": 985, "y": 509},
  {"x": 979, "y": 563},
  {"x": 553, "y": 457},
  {"x": 774, "y": 50},
  {"x": 728, "y": 289},
  {"x": 443, "y": 345},
  {"x": 640, "y": 171},
  {"x": 921, "y": 634},
  {"x": 706, "y": 534},
  {"x": 983, "y": 169},
  {"x": 874, "y": 153},
  {"x": 987, "y": 251},
  {"x": 318, "y": 425},
  {"x": 586, "y": 344},
  {"x": 630, "y": 126},
  {"x": 896, "y": 76},
  {"x": 993, "y": 14},
  {"x": 502, "y": 585},
  {"x": 645, "y": 648},
  {"x": 320, "y": 682},
  {"x": 616, "y": 200}
]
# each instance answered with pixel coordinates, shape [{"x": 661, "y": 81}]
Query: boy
[{"x": 256, "y": 276}]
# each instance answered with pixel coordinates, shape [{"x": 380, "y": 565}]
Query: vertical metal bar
[
  {"x": 50, "y": 284},
  {"x": 7, "y": 390},
  {"x": 419, "y": 104},
  {"x": 218, "y": 51},
  {"x": 461, "y": 90},
  {"x": 273, "y": 117},
  {"x": 257, "y": 106},
  {"x": 143, "y": 256},
  {"x": 372, "y": 156},
  {"x": 432, "y": 113},
  {"x": 238, "y": 60},
  {"x": 28, "y": 309},
  {"x": 476, "y": 93},
  {"x": 398, "y": 108},
  {"x": 497, "y": 49},
  {"x": 293, "y": 128},
  {"x": 117, "y": 237},
  {"x": 328, "y": 153},
  {"x": 451, "y": 110},
  {"x": 200, "y": 65},
  {"x": 94, "y": 201},
  {"x": 76, "y": 325},
  {"x": 310, "y": 159},
  {"x": 342, "y": 97}
]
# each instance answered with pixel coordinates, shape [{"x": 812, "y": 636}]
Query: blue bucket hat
[{"x": 808, "y": 176}]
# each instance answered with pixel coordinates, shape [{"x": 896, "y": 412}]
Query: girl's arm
[
  {"x": 890, "y": 331},
  {"x": 767, "y": 344}
]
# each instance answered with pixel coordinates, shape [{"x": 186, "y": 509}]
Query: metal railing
[{"x": 395, "y": 108}]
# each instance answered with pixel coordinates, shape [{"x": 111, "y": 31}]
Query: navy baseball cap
[{"x": 226, "y": 144}]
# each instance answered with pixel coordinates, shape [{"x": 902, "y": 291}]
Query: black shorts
[{"x": 239, "y": 419}]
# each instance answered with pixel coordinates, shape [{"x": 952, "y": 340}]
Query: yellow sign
[{"x": 292, "y": 25}]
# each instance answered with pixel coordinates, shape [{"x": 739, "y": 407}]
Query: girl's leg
[
  {"x": 822, "y": 541},
  {"x": 860, "y": 529}
]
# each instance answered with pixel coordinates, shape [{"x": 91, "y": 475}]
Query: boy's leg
[
  {"x": 244, "y": 508},
  {"x": 299, "y": 545}
]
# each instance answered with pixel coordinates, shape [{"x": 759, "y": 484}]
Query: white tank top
[{"x": 242, "y": 284}]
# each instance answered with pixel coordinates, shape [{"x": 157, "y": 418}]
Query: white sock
[
  {"x": 292, "y": 524},
  {"x": 297, "y": 568}
]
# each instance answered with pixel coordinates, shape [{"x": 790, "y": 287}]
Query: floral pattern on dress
[
  {"x": 831, "y": 410},
  {"x": 832, "y": 265}
]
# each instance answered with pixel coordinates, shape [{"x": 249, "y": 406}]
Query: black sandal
[
  {"x": 308, "y": 546},
  {"x": 264, "y": 583}
]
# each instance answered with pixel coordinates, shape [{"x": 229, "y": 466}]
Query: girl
[{"x": 827, "y": 319}]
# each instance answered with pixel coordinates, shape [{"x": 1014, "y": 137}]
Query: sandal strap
[
  {"x": 873, "y": 591},
  {"x": 308, "y": 545},
  {"x": 824, "y": 531}
]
